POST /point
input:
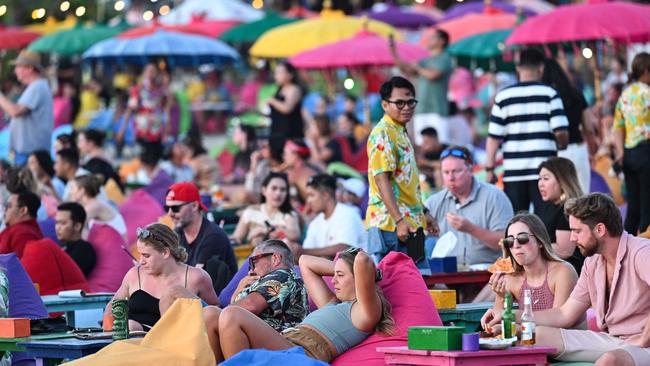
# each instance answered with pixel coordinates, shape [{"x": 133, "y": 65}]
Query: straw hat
[{"x": 30, "y": 58}]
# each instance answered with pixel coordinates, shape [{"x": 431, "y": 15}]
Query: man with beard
[
  {"x": 615, "y": 281},
  {"x": 201, "y": 238}
]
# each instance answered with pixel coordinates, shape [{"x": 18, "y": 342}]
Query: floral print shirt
[
  {"x": 285, "y": 295},
  {"x": 390, "y": 150},
  {"x": 633, "y": 114}
]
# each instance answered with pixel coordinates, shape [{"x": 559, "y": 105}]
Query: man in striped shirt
[{"x": 528, "y": 119}]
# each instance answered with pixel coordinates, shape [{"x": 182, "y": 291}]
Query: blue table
[
  {"x": 55, "y": 303},
  {"x": 51, "y": 352}
]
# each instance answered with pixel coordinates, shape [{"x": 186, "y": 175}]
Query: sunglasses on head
[
  {"x": 252, "y": 259},
  {"x": 522, "y": 238},
  {"x": 142, "y": 233},
  {"x": 175, "y": 208},
  {"x": 400, "y": 103},
  {"x": 456, "y": 153}
]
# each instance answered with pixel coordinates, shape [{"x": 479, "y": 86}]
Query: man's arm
[
  {"x": 561, "y": 138},
  {"x": 12, "y": 109},
  {"x": 565, "y": 316},
  {"x": 253, "y": 302},
  {"x": 427, "y": 73},
  {"x": 386, "y": 192},
  {"x": 328, "y": 252}
]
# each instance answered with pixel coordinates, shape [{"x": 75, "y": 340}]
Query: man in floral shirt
[{"x": 394, "y": 208}]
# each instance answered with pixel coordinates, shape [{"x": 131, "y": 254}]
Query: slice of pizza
[{"x": 502, "y": 265}]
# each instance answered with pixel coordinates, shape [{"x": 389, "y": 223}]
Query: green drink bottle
[{"x": 508, "y": 323}]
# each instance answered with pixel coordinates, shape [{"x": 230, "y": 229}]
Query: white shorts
[{"x": 588, "y": 346}]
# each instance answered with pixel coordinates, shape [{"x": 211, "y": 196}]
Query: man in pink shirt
[{"x": 615, "y": 281}]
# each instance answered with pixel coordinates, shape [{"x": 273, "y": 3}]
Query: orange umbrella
[
  {"x": 198, "y": 25},
  {"x": 472, "y": 24}
]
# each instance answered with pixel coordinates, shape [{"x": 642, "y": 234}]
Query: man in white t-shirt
[{"x": 336, "y": 226}]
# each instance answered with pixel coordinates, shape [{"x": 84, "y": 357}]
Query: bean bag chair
[
  {"x": 262, "y": 357},
  {"x": 412, "y": 305},
  {"x": 139, "y": 210},
  {"x": 598, "y": 184},
  {"x": 48, "y": 229},
  {"x": 227, "y": 292},
  {"x": 112, "y": 261},
  {"x": 159, "y": 186},
  {"x": 49, "y": 266},
  {"x": 113, "y": 192}
]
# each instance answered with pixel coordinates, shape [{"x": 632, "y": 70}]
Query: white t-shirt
[{"x": 343, "y": 227}]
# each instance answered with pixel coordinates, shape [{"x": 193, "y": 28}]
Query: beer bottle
[
  {"x": 527, "y": 321},
  {"x": 508, "y": 323}
]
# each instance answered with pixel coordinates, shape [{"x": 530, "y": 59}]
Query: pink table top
[{"x": 511, "y": 356}]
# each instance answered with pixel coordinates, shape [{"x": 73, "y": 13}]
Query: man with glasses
[
  {"x": 202, "y": 239},
  {"x": 615, "y": 282},
  {"x": 20, "y": 218},
  {"x": 395, "y": 209},
  {"x": 477, "y": 213}
]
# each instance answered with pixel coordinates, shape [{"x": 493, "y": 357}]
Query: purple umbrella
[
  {"x": 398, "y": 17},
  {"x": 465, "y": 8}
]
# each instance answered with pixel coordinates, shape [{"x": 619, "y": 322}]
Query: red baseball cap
[{"x": 185, "y": 192}]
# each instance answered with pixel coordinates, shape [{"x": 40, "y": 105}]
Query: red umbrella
[
  {"x": 624, "y": 22},
  {"x": 199, "y": 26},
  {"x": 363, "y": 49},
  {"x": 16, "y": 37}
]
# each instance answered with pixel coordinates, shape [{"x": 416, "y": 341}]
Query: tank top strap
[
  {"x": 139, "y": 284},
  {"x": 187, "y": 269}
]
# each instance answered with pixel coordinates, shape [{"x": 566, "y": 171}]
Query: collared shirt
[
  {"x": 487, "y": 207},
  {"x": 633, "y": 114},
  {"x": 390, "y": 151},
  {"x": 285, "y": 295},
  {"x": 13, "y": 238},
  {"x": 629, "y": 295}
]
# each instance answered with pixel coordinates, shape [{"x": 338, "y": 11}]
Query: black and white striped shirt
[{"x": 524, "y": 117}]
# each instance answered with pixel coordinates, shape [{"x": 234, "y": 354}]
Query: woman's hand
[
  {"x": 498, "y": 282},
  {"x": 490, "y": 322}
]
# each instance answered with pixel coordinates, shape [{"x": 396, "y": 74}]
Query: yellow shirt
[
  {"x": 390, "y": 150},
  {"x": 633, "y": 114}
]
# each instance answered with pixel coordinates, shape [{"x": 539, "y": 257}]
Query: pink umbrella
[
  {"x": 624, "y": 22},
  {"x": 472, "y": 24},
  {"x": 16, "y": 37},
  {"x": 363, "y": 49}
]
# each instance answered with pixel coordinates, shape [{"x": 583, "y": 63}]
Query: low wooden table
[{"x": 510, "y": 356}]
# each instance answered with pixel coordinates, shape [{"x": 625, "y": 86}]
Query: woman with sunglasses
[
  {"x": 161, "y": 269},
  {"x": 345, "y": 317},
  {"x": 536, "y": 268},
  {"x": 558, "y": 181},
  {"x": 274, "y": 218}
]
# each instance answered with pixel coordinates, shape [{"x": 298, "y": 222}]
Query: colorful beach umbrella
[
  {"x": 399, "y": 17},
  {"x": 74, "y": 41},
  {"x": 52, "y": 25},
  {"x": 623, "y": 22},
  {"x": 179, "y": 49},
  {"x": 483, "y": 50},
  {"x": 291, "y": 39},
  {"x": 485, "y": 7},
  {"x": 16, "y": 37},
  {"x": 208, "y": 28},
  {"x": 249, "y": 32},
  {"x": 472, "y": 24},
  {"x": 364, "y": 49},
  {"x": 212, "y": 10}
]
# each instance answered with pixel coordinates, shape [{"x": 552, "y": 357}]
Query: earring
[{"x": 562, "y": 197}]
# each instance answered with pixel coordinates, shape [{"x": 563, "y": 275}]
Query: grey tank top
[{"x": 334, "y": 321}]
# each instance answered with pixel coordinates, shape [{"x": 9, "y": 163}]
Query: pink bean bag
[
  {"x": 139, "y": 210},
  {"x": 405, "y": 289},
  {"x": 112, "y": 261}
]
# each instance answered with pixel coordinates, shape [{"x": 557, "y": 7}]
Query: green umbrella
[
  {"x": 249, "y": 32},
  {"x": 482, "y": 50},
  {"x": 75, "y": 41}
]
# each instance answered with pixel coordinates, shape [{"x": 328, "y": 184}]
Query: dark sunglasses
[
  {"x": 254, "y": 258},
  {"x": 175, "y": 208},
  {"x": 400, "y": 104},
  {"x": 522, "y": 238},
  {"x": 459, "y": 153}
]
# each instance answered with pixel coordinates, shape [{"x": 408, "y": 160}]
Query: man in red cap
[{"x": 201, "y": 238}]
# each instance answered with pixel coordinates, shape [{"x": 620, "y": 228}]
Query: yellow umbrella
[
  {"x": 291, "y": 39},
  {"x": 51, "y": 25}
]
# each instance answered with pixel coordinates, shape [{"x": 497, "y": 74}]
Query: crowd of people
[{"x": 306, "y": 184}]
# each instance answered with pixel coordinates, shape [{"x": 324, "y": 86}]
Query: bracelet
[
  {"x": 400, "y": 220},
  {"x": 489, "y": 168}
]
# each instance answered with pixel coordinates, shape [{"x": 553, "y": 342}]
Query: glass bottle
[
  {"x": 508, "y": 323},
  {"x": 527, "y": 321}
]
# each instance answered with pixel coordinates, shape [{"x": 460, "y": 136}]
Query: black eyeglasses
[
  {"x": 252, "y": 259},
  {"x": 522, "y": 238},
  {"x": 459, "y": 153},
  {"x": 175, "y": 208},
  {"x": 400, "y": 103}
]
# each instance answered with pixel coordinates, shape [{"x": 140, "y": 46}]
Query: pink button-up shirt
[{"x": 629, "y": 298}]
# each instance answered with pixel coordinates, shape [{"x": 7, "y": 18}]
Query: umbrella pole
[{"x": 597, "y": 73}]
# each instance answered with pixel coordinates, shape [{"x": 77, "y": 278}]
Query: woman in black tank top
[
  {"x": 286, "y": 106},
  {"x": 160, "y": 272}
]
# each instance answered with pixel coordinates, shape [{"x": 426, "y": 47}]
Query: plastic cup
[{"x": 470, "y": 342}]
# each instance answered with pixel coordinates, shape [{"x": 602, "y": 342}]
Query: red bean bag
[
  {"x": 405, "y": 289},
  {"x": 112, "y": 261},
  {"x": 139, "y": 210},
  {"x": 49, "y": 266}
]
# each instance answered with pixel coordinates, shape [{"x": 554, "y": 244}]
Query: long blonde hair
[{"x": 386, "y": 324}]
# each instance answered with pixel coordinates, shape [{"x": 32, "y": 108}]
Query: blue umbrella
[{"x": 179, "y": 49}]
